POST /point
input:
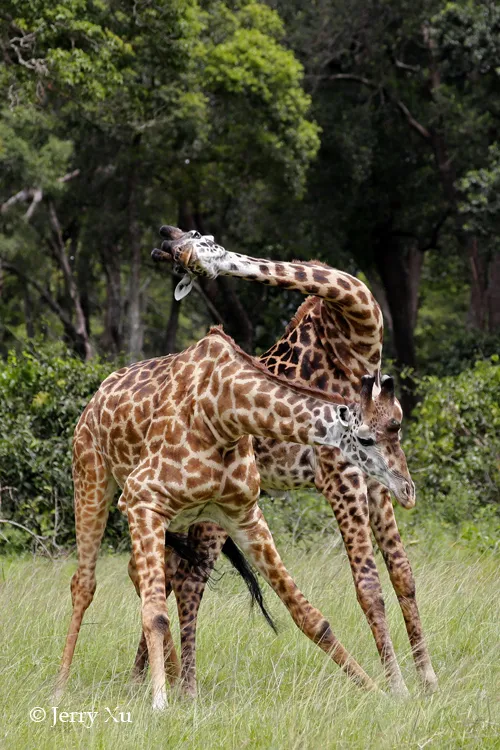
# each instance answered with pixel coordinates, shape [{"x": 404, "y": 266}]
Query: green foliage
[
  {"x": 481, "y": 202},
  {"x": 30, "y": 152},
  {"x": 467, "y": 35},
  {"x": 445, "y": 345},
  {"x": 146, "y": 108},
  {"x": 453, "y": 446},
  {"x": 42, "y": 394},
  {"x": 302, "y": 517}
]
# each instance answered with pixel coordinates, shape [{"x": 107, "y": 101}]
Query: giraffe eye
[
  {"x": 394, "y": 425},
  {"x": 366, "y": 442}
]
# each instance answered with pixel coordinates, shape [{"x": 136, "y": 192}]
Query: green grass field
[{"x": 256, "y": 690}]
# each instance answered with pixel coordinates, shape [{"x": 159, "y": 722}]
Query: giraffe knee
[
  {"x": 323, "y": 632},
  {"x": 161, "y": 623},
  {"x": 155, "y": 619},
  {"x": 369, "y": 595},
  {"x": 404, "y": 582},
  {"x": 82, "y": 589}
]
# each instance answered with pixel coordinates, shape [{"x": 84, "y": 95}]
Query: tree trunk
[
  {"x": 81, "y": 335},
  {"x": 112, "y": 339},
  {"x": 170, "y": 345},
  {"x": 28, "y": 316},
  {"x": 399, "y": 271},
  {"x": 478, "y": 303},
  {"x": 135, "y": 327},
  {"x": 415, "y": 265},
  {"x": 493, "y": 293}
]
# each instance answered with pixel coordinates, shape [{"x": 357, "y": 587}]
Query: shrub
[
  {"x": 453, "y": 446},
  {"x": 42, "y": 394}
]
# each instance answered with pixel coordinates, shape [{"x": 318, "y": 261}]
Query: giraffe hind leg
[
  {"x": 255, "y": 539},
  {"x": 189, "y": 586},
  {"x": 94, "y": 490}
]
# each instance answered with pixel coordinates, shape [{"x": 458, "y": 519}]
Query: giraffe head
[
  {"x": 373, "y": 441},
  {"x": 192, "y": 250}
]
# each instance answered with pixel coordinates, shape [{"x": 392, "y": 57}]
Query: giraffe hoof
[
  {"x": 400, "y": 691},
  {"x": 159, "y": 701},
  {"x": 189, "y": 691},
  {"x": 431, "y": 685},
  {"x": 57, "y": 695},
  {"x": 137, "y": 678}
]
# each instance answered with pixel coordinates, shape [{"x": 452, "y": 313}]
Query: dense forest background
[{"x": 365, "y": 134}]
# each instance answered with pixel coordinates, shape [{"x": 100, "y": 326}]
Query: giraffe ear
[
  {"x": 344, "y": 416},
  {"x": 183, "y": 287}
]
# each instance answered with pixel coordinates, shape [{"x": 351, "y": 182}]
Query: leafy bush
[
  {"x": 453, "y": 447},
  {"x": 302, "y": 517},
  {"x": 42, "y": 394}
]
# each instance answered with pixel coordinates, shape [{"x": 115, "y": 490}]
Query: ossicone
[
  {"x": 367, "y": 383},
  {"x": 171, "y": 233},
  {"x": 387, "y": 387}
]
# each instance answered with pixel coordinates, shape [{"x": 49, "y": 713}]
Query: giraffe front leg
[
  {"x": 189, "y": 585},
  {"x": 148, "y": 516},
  {"x": 171, "y": 660},
  {"x": 386, "y": 534},
  {"x": 346, "y": 492},
  {"x": 255, "y": 539}
]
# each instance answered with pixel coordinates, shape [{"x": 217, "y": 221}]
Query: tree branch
[
  {"x": 37, "y": 197},
  {"x": 24, "y": 528},
  {"x": 35, "y": 194},
  {"x": 44, "y": 294},
  {"x": 22, "y": 195},
  {"x": 412, "y": 122},
  {"x": 434, "y": 238}
]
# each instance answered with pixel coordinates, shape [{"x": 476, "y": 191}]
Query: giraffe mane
[
  {"x": 332, "y": 398},
  {"x": 313, "y": 263},
  {"x": 304, "y": 308}
]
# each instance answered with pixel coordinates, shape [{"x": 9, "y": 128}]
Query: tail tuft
[
  {"x": 186, "y": 550},
  {"x": 240, "y": 564}
]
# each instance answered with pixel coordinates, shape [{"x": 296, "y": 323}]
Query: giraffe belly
[{"x": 207, "y": 512}]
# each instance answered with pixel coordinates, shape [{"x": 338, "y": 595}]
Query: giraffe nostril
[{"x": 409, "y": 489}]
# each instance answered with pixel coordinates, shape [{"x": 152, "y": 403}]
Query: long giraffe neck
[
  {"x": 348, "y": 319},
  {"x": 245, "y": 399}
]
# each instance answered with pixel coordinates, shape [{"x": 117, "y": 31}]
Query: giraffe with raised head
[
  {"x": 335, "y": 337},
  {"x": 170, "y": 433}
]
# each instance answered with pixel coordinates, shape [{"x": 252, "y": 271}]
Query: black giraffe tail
[
  {"x": 189, "y": 552},
  {"x": 242, "y": 566}
]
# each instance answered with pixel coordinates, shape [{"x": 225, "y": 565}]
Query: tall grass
[{"x": 256, "y": 690}]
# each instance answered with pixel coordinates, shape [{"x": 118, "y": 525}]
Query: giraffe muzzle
[{"x": 407, "y": 496}]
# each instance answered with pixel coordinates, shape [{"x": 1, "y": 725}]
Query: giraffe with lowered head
[
  {"x": 334, "y": 338},
  {"x": 169, "y": 432}
]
